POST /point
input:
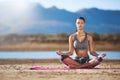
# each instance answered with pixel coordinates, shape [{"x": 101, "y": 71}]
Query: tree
[{"x": 96, "y": 36}]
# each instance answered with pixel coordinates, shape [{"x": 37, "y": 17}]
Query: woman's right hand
[
  {"x": 102, "y": 55},
  {"x": 59, "y": 52}
]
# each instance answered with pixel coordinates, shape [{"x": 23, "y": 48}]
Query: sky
[
  {"x": 75, "y": 5},
  {"x": 12, "y": 20}
]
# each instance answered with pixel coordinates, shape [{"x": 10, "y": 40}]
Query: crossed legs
[{"x": 75, "y": 65}]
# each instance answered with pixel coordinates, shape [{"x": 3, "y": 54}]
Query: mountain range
[{"x": 53, "y": 20}]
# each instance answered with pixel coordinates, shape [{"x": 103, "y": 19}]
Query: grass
[
  {"x": 34, "y": 47},
  {"x": 107, "y": 47},
  {"x": 26, "y": 46}
]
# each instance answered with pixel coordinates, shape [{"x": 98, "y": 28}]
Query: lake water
[{"x": 50, "y": 55}]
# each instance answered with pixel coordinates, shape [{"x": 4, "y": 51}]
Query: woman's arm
[
  {"x": 71, "y": 48},
  {"x": 90, "y": 40}
]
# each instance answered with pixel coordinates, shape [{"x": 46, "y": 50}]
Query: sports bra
[{"x": 80, "y": 45}]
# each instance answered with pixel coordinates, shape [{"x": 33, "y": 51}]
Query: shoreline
[{"x": 29, "y": 61}]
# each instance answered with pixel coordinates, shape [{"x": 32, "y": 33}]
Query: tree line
[
  {"x": 113, "y": 38},
  {"x": 56, "y": 38}
]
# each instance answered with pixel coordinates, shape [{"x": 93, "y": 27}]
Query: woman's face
[{"x": 80, "y": 24}]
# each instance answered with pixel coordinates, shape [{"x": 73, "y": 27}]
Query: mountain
[
  {"x": 101, "y": 21},
  {"x": 38, "y": 19}
]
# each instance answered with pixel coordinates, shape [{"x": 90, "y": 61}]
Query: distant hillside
[
  {"x": 101, "y": 21},
  {"x": 53, "y": 20}
]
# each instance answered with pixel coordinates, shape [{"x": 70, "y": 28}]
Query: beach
[{"x": 19, "y": 69}]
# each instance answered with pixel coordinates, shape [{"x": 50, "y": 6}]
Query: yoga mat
[
  {"x": 48, "y": 68},
  {"x": 64, "y": 68}
]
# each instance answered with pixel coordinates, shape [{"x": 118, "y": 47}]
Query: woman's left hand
[{"x": 59, "y": 52}]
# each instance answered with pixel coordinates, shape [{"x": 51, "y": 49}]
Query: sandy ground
[{"x": 19, "y": 69}]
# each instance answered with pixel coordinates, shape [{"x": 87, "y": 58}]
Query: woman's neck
[{"x": 80, "y": 32}]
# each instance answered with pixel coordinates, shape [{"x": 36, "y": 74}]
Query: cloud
[
  {"x": 50, "y": 23},
  {"x": 14, "y": 19},
  {"x": 21, "y": 25}
]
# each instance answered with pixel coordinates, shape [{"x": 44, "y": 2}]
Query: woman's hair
[{"x": 81, "y": 18}]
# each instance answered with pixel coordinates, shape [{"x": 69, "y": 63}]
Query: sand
[{"x": 19, "y": 69}]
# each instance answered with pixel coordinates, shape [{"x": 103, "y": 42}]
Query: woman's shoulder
[
  {"x": 89, "y": 36},
  {"x": 72, "y": 35}
]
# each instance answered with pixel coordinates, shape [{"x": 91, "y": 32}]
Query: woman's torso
[{"x": 81, "y": 45}]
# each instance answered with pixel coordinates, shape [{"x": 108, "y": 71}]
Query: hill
[{"x": 38, "y": 19}]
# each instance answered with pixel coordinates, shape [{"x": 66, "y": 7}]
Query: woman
[{"x": 80, "y": 42}]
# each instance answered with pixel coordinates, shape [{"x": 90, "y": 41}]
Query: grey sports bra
[{"x": 80, "y": 45}]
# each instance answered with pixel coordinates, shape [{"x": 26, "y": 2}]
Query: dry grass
[
  {"x": 27, "y": 46},
  {"x": 34, "y": 47},
  {"x": 107, "y": 47}
]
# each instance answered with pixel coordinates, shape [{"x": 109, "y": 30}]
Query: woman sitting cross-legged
[{"x": 80, "y": 42}]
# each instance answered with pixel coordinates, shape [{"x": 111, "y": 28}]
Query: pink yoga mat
[
  {"x": 47, "y": 68},
  {"x": 64, "y": 68}
]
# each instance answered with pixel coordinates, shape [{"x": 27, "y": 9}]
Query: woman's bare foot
[{"x": 98, "y": 59}]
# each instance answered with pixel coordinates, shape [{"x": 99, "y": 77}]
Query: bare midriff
[{"x": 81, "y": 53}]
